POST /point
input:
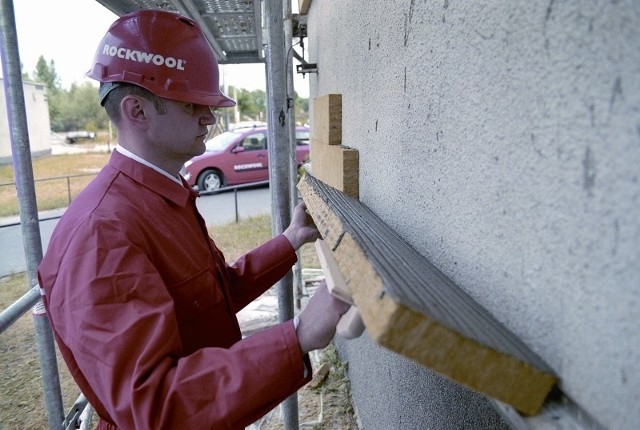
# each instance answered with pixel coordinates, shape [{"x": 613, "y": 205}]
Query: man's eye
[{"x": 193, "y": 108}]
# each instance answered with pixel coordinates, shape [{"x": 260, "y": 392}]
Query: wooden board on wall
[
  {"x": 303, "y": 6},
  {"x": 336, "y": 165},
  {"x": 333, "y": 162},
  {"x": 412, "y": 308},
  {"x": 327, "y": 119}
]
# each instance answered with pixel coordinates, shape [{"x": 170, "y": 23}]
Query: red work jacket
[{"x": 143, "y": 305}]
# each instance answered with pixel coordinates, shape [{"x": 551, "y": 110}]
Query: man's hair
[{"x": 115, "y": 96}]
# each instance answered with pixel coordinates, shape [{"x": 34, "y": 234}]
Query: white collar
[{"x": 127, "y": 153}]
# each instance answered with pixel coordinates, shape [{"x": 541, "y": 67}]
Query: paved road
[{"x": 216, "y": 209}]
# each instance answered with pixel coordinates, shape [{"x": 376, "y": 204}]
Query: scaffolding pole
[
  {"x": 23, "y": 170},
  {"x": 279, "y": 159},
  {"x": 291, "y": 115}
]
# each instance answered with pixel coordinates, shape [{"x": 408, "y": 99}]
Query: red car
[{"x": 237, "y": 157}]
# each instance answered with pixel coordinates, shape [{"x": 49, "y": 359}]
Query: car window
[
  {"x": 302, "y": 137},
  {"x": 255, "y": 142},
  {"x": 221, "y": 141}
]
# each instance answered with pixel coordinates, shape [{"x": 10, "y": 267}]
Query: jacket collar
[{"x": 153, "y": 180}]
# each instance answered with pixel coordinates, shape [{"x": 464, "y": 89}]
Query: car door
[
  {"x": 302, "y": 145},
  {"x": 251, "y": 159}
]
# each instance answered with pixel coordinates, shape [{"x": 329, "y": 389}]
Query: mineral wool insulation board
[{"x": 412, "y": 308}]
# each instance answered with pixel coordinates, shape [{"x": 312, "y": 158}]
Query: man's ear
[{"x": 133, "y": 108}]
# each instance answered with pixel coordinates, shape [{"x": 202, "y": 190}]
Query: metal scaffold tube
[
  {"x": 279, "y": 159},
  {"x": 291, "y": 115},
  {"x": 19, "y": 308},
  {"x": 21, "y": 150}
]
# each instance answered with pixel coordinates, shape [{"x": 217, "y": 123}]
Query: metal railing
[
  {"x": 233, "y": 188},
  {"x": 52, "y": 197},
  {"x": 80, "y": 415}
]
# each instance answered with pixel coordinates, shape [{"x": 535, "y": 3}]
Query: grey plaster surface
[{"x": 502, "y": 140}]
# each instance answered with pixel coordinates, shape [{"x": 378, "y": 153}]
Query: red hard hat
[{"x": 164, "y": 52}]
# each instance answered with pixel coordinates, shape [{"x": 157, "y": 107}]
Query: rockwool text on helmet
[{"x": 143, "y": 57}]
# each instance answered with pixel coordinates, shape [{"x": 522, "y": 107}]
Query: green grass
[
  {"x": 58, "y": 179},
  {"x": 21, "y": 390},
  {"x": 236, "y": 239}
]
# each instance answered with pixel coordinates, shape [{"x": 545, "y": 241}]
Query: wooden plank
[
  {"x": 319, "y": 376},
  {"x": 336, "y": 166},
  {"x": 350, "y": 325},
  {"x": 333, "y": 163},
  {"x": 303, "y": 6},
  {"x": 335, "y": 281},
  {"x": 412, "y": 308},
  {"x": 558, "y": 412},
  {"x": 326, "y": 122}
]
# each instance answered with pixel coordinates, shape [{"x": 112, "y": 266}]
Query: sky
[{"x": 68, "y": 32}]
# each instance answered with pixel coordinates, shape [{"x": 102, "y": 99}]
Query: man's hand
[
  {"x": 319, "y": 318},
  {"x": 302, "y": 229}
]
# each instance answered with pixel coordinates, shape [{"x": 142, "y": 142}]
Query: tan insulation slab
[
  {"x": 303, "y": 6},
  {"x": 333, "y": 162},
  {"x": 411, "y": 308}
]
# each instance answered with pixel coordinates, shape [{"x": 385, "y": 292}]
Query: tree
[
  {"x": 302, "y": 109},
  {"x": 46, "y": 73},
  {"x": 75, "y": 109},
  {"x": 251, "y": 104},
  {"x": 80, "y": 109}
]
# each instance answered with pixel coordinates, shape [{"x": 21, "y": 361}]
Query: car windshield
[{"x": 221, "y": 141}]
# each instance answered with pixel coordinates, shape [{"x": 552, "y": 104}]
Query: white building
[{"x": 38, "y": 122}]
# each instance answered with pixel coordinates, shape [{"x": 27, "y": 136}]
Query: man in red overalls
[{"x": 141, "y": 301}]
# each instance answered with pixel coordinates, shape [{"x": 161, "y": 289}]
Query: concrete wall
[
  {"x": 502, "y": 140},
  {"x": 38, "y": 122}
]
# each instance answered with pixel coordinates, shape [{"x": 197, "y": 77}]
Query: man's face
[{"x": 180, "y": 132}]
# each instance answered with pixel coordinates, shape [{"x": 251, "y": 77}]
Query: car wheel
[{"x": 210, "y": 180}]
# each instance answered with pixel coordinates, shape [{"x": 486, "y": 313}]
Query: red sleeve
[{"x": 257, "y": 271}]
